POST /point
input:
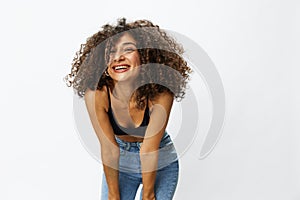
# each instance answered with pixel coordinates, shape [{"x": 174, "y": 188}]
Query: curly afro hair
[{"x": 162, "y": 65}]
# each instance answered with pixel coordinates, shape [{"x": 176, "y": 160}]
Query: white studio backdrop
[{"x": 254, "y": 46}]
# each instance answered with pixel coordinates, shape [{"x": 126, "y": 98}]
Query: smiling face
[{"x": 124, "y": 59}]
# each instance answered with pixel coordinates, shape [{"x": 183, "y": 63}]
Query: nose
[{"x": 118, "y": 56}]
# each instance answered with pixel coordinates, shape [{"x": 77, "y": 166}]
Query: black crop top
[{"x": 119, "y": 130}]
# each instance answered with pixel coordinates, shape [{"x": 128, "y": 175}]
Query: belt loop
[
  {"x": 139, "y": 144},
  {"x": 127, "y": 146}
]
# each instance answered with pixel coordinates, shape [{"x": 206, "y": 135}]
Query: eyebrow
[{"x": 127, "y": 43}]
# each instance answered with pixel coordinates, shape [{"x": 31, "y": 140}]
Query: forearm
[
  {"x": 148, "y": 185},
  {"x": 112, "y": 179},
  {"x": 110, "y": 167},
  {"x": 149, "y": 166}
]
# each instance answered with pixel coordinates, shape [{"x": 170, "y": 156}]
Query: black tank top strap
[
  {"x": 147, "y": 101},
  {"x": 146, "y": 114},
  {"x": 108, "y": 95}
]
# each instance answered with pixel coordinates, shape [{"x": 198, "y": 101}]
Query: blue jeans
[{"x": 130, "y": 176}]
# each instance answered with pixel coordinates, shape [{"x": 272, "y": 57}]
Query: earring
[{"x": 106, "y": 72}]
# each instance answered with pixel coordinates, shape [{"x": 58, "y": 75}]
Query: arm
[
  {"x": 149, "y": 150},
  {"x": 96, "y": 103}
]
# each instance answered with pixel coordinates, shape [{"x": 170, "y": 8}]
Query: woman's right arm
[{"x": 97, "y": 105}]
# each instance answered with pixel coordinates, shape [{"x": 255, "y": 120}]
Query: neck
[{"x": 123, "y": 91}]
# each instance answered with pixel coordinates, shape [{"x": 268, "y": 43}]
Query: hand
[
  {"x": 113, "y": 197},
  {"x": 149, "y": 196}
]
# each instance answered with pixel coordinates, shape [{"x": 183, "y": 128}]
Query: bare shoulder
[
  {"x": 164, "y": 99},
  {"x": 99, "y": 98},
  {"x": 164, "y": 96}
]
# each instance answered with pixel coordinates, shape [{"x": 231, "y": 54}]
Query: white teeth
[{"x": 120, "y": 67}]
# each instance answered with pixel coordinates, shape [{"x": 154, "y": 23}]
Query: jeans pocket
[{"x": 122, "y": 151}]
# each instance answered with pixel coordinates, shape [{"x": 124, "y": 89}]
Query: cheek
[{"x": 137, "y": 59}]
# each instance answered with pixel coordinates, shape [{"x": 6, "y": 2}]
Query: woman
[{"x": 129, "y": 75}]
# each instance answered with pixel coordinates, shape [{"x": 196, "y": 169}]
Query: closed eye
[
  {"x": 129, "y": 49},
  {"x": 112, "y": 51}
]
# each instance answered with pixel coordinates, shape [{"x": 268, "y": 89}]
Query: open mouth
[{"x": 120, "y": 68}]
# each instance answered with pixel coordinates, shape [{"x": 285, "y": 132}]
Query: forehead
[{"x": 124, "y": 39}]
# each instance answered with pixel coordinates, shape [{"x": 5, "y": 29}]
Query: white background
[{"x": 254, "y": 45}]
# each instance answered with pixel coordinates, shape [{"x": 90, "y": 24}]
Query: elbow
[
  {"x": 110, "y": 157},
  {"x": 148, "y": 152},
  {"x": 149, "y": 159},
  {"x": 148, "y": 148}
]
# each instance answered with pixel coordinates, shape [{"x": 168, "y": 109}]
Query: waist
[
  {"x": 137, "y": 142},
  {"x": 129, "y": 138}
]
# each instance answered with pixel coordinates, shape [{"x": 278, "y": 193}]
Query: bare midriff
[{"x": 129, "y": 138}]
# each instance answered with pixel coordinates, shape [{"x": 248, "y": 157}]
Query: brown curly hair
[{"x": 163, "y": 67}]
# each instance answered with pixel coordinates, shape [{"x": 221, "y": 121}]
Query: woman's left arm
[{"x": 149, "y": 150}]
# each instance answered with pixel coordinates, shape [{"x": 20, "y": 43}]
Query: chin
[{"x": 126, "y": 76}]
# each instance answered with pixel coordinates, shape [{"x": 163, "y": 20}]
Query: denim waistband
[{"x": 127, "y": 145}]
